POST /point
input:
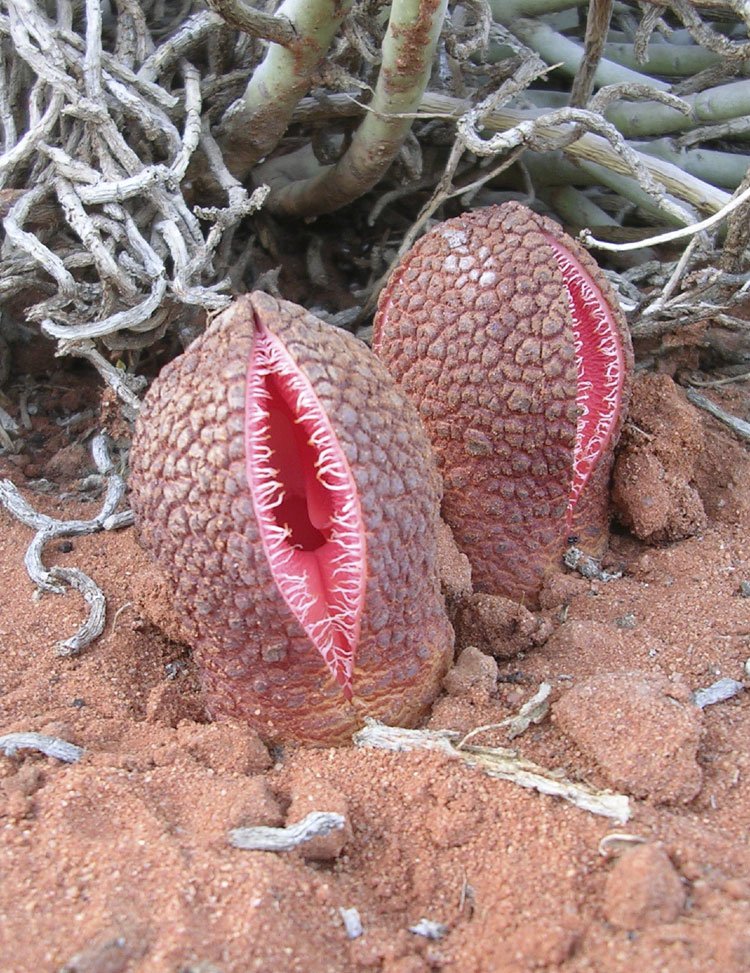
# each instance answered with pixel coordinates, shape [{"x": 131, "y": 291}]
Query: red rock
[
  {"x": 225, "y": 747},
  {"x": 641, "y": 728},
  {"x": 653, "y": 488},
  {"x": 258, "y": 807},
  {"x": 643, "y": 889},
  {"x": 473, "y": 670},
  {"x": 500, "y": 626},
  {"x": 69, "y": 463}
]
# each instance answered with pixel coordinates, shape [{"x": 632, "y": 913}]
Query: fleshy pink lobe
[
  {"x": 600, "y": 360},
  {"x": 306, "y": 505}
]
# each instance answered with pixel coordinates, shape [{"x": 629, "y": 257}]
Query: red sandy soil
[{"x": 121, "y": 862}]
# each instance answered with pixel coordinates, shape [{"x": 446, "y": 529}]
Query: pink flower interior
[
  {"x": 600, "y": 359},
  {"x": 306, "y": 504}
]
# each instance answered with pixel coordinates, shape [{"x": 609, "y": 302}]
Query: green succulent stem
[
  {"x": 508, "y": 11},
  {"x": 594, "y": 150},
  {"x": 253, "y": 126},
  {"x": 726, "y": 169},
  {"x": 639, "y": 119},
  {"x": 556, "y": 49},
  {"x": 579, "y": 211},
  {"x": 672, "y": 60},
  {"x": 408, "y": 51}
]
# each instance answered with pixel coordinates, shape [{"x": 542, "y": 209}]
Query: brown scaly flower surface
[
  {"x": 510, "y": 342},
  {"x": 195, "y": 513}
]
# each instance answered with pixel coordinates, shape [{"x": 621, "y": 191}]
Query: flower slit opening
[
  {"x": 306, "y": 505},
  {"x": 600, "y": 360}
]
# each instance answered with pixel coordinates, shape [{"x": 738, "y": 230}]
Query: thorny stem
[{"x": 738, "y": 231}]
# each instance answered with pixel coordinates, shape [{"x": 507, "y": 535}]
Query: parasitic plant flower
[
  {"x": 508, "y": 338},
  {"x": 287, "y": 490}
]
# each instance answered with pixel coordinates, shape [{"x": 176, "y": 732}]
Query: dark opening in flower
[{"x": 306, "y": 504}]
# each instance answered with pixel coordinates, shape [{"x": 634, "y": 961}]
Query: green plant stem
[
  {"x": 508, "y": 11},
  {"x": 639, "y": 119},
  {"x": 589, "y": 147},
  {"x": 721, "y": 168},
  {"x": 596, "y": 150},
  {"x": 408, "y": 51},
  {"x": 254, "y": 124},
  {"x": 554, "y": 48},
  {"x": 718, "y": 104},
  {"x": 554, "y": 170},
  {"x": 550, "y": 170},
  {"x": 579, "y": 211},
  {"x": 672, "y": 60},
  {"x": 627, "y": 187}
]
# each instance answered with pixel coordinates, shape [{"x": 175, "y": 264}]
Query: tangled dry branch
[
  {"x": 130, "y": 136},
  {"x": 154, "y": 158}
]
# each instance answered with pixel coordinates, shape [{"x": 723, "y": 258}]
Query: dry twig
[
  {"x": 47, "y": 529},
  {"x": 313, "y": 825}
]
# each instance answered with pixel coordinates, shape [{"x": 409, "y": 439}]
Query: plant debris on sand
[{"x": 123, "y": 858}]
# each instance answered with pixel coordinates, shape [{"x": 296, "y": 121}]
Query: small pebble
[
  {"x": 429, "y": 929},
  {"x": 473, "y": 669},
  {"x": 352, "y": 923},
  {"x": 717, "y": 692},
  {"x": 626, "y": 621}
]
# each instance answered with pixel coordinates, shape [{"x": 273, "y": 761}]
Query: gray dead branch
[
  {"x": 12, "y": 743},
  {"x": 496, "y": 762},
  {"x": 313, "y": 825},
  {"x": 737, "y": 425},
  {"x": 56, "y": 580}
]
